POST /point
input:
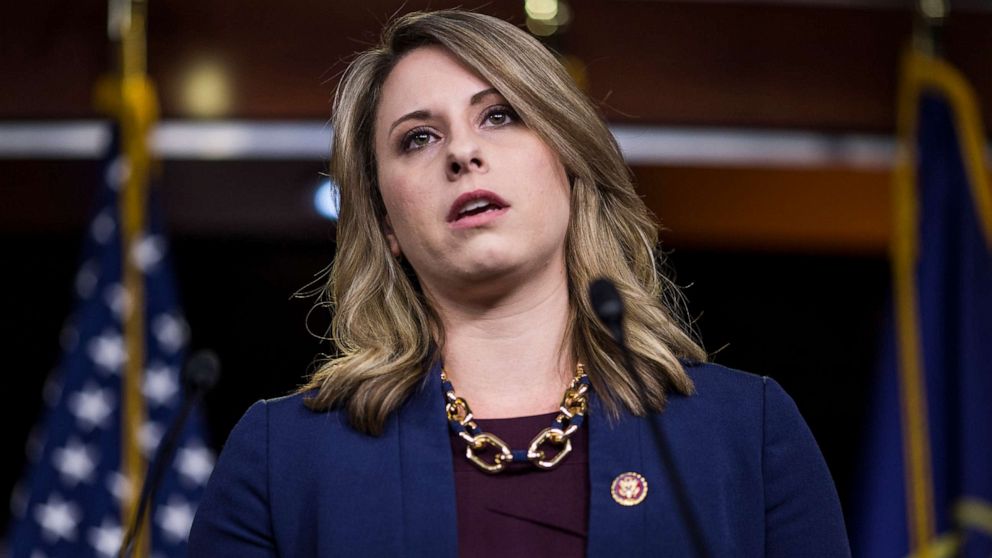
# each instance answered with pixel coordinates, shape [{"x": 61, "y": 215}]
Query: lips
[{"x": 471, "y": 206}]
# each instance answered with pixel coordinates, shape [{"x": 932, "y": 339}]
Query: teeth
[{"x": 477, "y": 204}]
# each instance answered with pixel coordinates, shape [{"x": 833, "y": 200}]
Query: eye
[
  {"x": 499, "y": 116},
  {"x": 418, "y": 138}
]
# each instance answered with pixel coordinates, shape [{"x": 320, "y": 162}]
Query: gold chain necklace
[{"x": 571, "y": 414}]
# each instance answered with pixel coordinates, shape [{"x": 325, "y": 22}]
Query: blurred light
[
  {"x": 541, "y": 10},
  {"x": 244, "y": 139},
  {"x": 564, "y": 15},
  {"x": 934, "y": 9},
  {"x": 207, "y": 89},
  {"x": 541, "y": 28},
  {"x": 327, "y": 200},
  {"x": 546, "y": 17}
]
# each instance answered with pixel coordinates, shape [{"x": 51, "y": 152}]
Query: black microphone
[
  {"x": 608, "y": 305},
  {"x": 200, "y": 374}
]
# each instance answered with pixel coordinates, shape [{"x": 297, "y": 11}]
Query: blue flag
[
  {"x": 71, "y": 500},
  {"x": 927, "y": 474}
]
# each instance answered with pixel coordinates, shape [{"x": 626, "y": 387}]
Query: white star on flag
[
  {"x": 148, "y": 252},
  {"x": 86, "y": 279},
  {"x": 175, "y": 518},
  {"x": 117, "y": 172},
  {"x": 107, "y": 351},
  {"x": 92, "y": 406},
  {"x": 106, "y": 539},
  {"x": 103, "y": 226},
  {"x": 170, "y": 331},
  {"x": 75, "y": 461},
  {"x": 58, "y": 518},
  {"x": 119, "y": 486},
  {"x": 160, "y": 385},
  {"x": 149, "y": 436},
  {"x": 195, "y": 462},
  {"x": 118, "y": 299}
]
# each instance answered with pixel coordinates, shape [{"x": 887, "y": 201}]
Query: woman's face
[{"x": 471, "y": 193}]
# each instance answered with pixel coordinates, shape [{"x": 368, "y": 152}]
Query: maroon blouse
[{"x": 522, "y": 511}]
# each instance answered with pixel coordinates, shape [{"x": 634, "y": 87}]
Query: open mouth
[{"x": 475, "y": 203}]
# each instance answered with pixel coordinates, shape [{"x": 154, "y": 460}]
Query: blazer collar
[
  {"x": 426, "y": 472},
  {"x": 614, "y": 448}
]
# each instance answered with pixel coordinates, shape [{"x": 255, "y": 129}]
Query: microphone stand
[
  {"x": 608, "y": 305},
  {"x": 201, "y": 373}
]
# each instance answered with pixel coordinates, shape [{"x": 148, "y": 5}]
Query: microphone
[
  {"x": 608, "y": 306},
  {"x": 200, "y": 374}
]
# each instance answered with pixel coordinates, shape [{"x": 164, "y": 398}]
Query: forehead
[{"x": 427, "y": 78}]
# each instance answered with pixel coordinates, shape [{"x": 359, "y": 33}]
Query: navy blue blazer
[{"x": 294, "y": 482}]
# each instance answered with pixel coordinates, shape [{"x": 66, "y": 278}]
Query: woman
[{"x": 480, "y": 195}]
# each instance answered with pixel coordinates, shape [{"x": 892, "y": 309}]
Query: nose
[{"x": 464, "y": 157}]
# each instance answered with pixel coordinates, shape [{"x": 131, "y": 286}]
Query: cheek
[
  {"x": 393, "y": 182},
  {"x": 407, "y": 209},
  {"x": 404, "y": 182},
  {"x": 557, "y": 195},
  {"x": 396, "y": 189},
  {"x": 552, "y": 179},
  {"x": 542, "y": 160}
]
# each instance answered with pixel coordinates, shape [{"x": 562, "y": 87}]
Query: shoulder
[
  {"x": 267, "y": 428},
  {"x": 757, "y": 418},
  {"x": 724, "y": 397},
  {"x": 290, "y": 408},
  {"x": 274, "y": 434},
  {"x": 296, "y": 437},
  {"x": 714, "y": 380},
  {"x": 251, "y": 498},
  {"x": 732, "y": 392},
  {"x": 727, "y": 391},
  {"x": 747, "y": 411},
  {"x": 746, "y": 419},
  {"x": 290, "y": 413}
]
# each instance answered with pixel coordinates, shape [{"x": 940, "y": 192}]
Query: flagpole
[
  {"x": 131, "y": 98},
  {"x": 920, "y": 505}
]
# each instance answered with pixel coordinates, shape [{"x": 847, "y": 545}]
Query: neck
[{"x": 507, "y": 355}]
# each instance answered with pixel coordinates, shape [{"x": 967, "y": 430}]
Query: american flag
[{"x": 71, "y": 499}]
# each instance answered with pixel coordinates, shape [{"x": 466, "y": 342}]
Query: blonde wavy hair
[{"x": 385, "y": 332}]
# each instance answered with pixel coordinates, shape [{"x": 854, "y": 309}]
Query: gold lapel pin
[{"x": 629, "y": 489}]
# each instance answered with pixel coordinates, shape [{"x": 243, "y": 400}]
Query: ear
[{"x": 394, "y": 244}]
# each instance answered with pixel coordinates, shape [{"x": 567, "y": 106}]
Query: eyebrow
[
  {"x": 482, "y": 95},
  {"x": 425, "y": 114}
]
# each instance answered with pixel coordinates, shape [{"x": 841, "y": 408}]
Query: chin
[
  {"x": 487, "y": 270},
  {"x": 504, "y": 273}
]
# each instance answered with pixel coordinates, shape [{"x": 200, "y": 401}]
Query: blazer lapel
[
  {"x": 614, "y": 448},
  {"x": 426, "y": 473}
]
